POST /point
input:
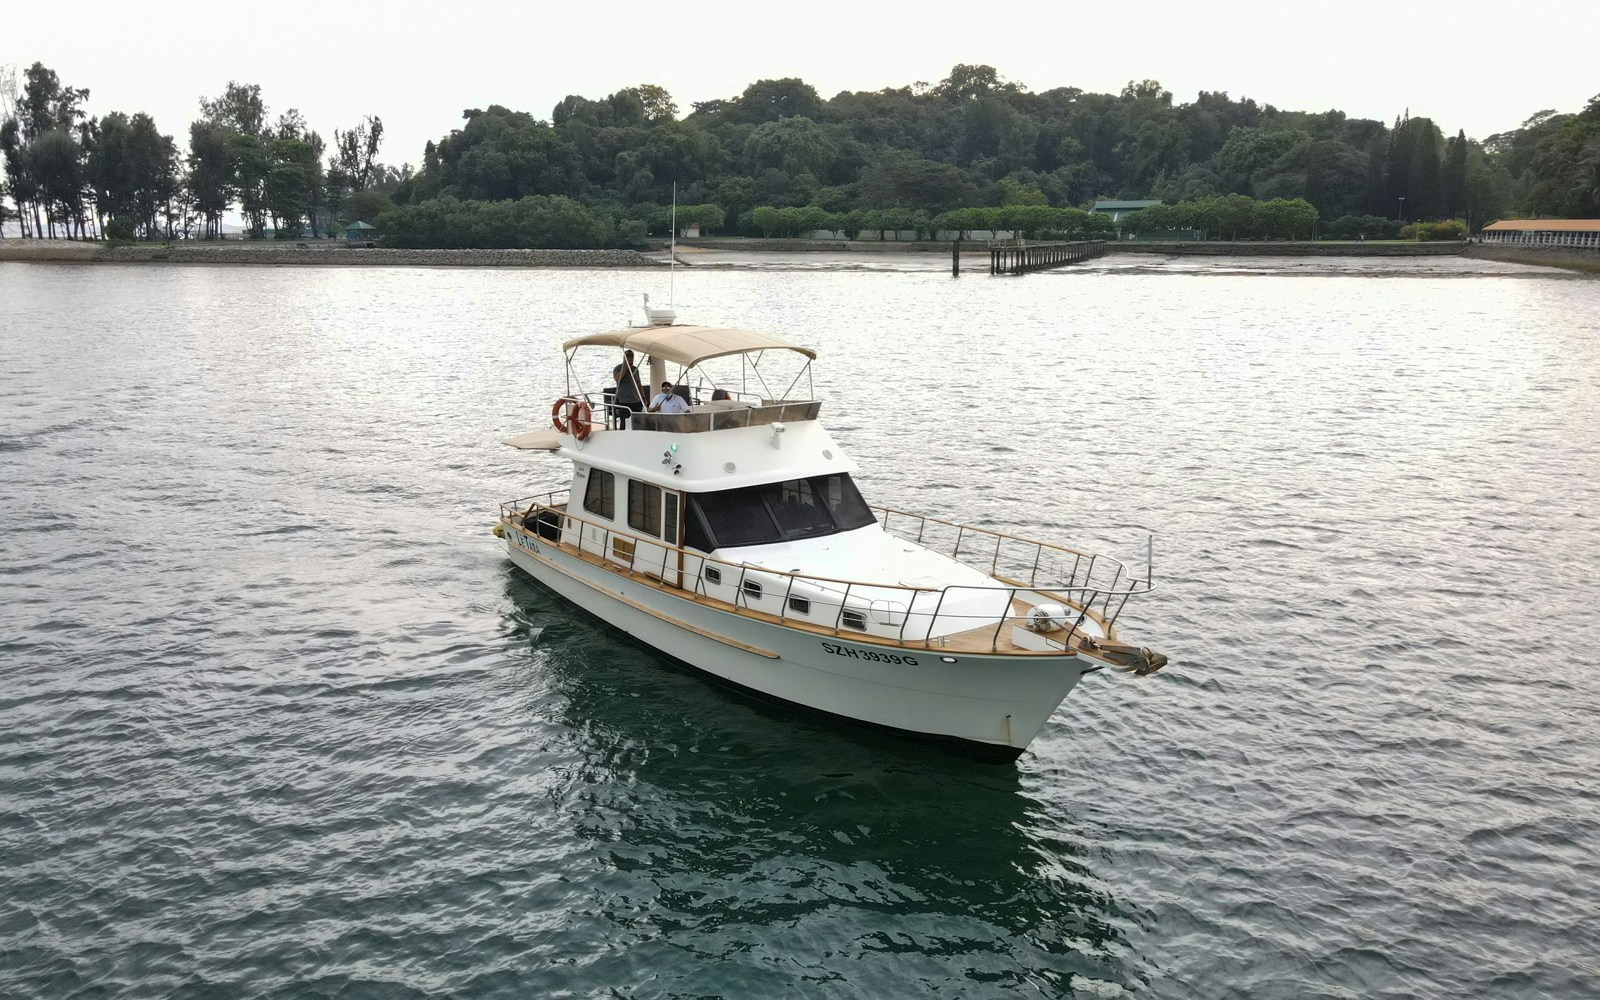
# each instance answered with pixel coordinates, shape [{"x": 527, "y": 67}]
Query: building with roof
[
  {"x": 1117, "y": 209},
  {"x": 1545, "y": 232},
  {"x": 359, "y": 232}
]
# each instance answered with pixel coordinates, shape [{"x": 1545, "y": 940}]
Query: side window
[
  {"x": 669, "y": 520},
  {"x": 644, "y": 508},
  {"x": 600, "y": 494}
]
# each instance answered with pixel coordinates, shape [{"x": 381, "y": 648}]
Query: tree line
[
  {"x": 118, "y": 176},
  {"x": 780, "y": 159},
  {"x": 974, "y": 141}
]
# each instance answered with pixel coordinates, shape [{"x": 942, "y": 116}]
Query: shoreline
[
  {"x": 1566, "y": 258},
  {"x": 314, "y": 253},
  {"x": 331, "y": 253},
  {"x": 1212, "y": 248}
]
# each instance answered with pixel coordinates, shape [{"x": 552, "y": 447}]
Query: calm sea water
[{"x": 277, "y": 718}]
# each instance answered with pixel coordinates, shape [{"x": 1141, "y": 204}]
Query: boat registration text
[{"x": 867, "y": 654}]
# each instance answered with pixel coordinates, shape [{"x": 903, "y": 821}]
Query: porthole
[
  {"x": 712, "y": 574},
  {"x": 855, "y": 620},
  {"x": 752, "y": 589},
  {"x": 800, "y": 605}
]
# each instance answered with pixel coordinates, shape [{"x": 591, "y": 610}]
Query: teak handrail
[{"x": 516, "y": 514}]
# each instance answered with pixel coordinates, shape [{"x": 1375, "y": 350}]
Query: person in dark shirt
[{"x": 630, "y": 393}]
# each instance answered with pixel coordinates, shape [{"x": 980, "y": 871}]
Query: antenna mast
[{"x": 672, "y": 253}]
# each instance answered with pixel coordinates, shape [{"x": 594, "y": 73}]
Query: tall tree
[
  {"x": 1455, "y": 175},
  {"x": 1425, "y": 181},
  {"x": 357, "y": 152},
  {"x": 21, "y": 182},
  {"x": 51, "y": 150},
  {"x": 210, "y": 177},
  {"x": 239, "y": 107},
  {"x": 1397, "y": 171},
  {"x": 1377, "y": 187}
]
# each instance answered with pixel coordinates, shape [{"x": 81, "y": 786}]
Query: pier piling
[{"x": 1018, "y": 259}]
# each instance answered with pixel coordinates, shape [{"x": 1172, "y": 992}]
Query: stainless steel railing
[
  {"x": 1023, "y": 561},
  {"x": 884, "y": 611},
  {"x": 604, "y": 413}
]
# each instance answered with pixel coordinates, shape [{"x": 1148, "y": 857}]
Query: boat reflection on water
[{"x": 796, "y": 849}]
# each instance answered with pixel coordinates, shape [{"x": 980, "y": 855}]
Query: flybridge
[{"x": 726, "y": 398}]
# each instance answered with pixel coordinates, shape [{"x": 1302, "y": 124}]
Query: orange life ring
[
  {"x": 556, "y": 419},
  {"x": 580, "y": 416}
]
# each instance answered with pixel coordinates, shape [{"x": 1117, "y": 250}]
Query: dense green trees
[
  {"x": 132, "y": 171},
  {"x": 531, "y": 222},
  {"x": 894, "y": 160},
  {"x": 779, "y": 157},
  {"x": 44, "y": 140},
  {"x": 119, "y": 176},
  {"x": 1229, "y": 217},
  {"x": 1566, "y": 166}
]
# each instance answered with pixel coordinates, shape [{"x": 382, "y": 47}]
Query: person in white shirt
[{"x": 667, "y": 401}]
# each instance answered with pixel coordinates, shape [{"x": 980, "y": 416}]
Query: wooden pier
[{"x": 1040, "y": 256}]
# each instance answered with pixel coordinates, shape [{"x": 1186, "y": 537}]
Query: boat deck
[{"x": 992, "y": 637}]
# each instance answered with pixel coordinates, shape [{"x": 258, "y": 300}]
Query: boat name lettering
[{"x": 867, "y": 654}]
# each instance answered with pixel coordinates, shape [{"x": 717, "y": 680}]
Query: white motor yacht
[{"x": 732, "y": 537}]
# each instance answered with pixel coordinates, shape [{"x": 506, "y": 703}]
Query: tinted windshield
[{"x": 776, "y": 512}]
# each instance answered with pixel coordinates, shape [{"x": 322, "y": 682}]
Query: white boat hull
[{"x": 993, "y": 705}]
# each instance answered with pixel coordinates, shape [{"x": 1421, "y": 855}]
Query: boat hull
[{"x": 990, "y": 706}]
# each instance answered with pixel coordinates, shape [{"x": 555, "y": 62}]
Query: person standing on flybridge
[
  {"x": 630, "y": 393},
  {"x": 667, "y": 401}
]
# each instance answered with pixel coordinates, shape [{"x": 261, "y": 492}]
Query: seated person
[
  {"x": 667, "y": 401},
  {"x": 719, "y": 394}
]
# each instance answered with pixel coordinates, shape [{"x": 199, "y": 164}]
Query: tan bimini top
[{"x": 688, "y": 345}]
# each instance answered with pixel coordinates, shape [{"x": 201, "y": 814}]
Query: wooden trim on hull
[
  {"x": 989, "y": 753},
  {"x": 967, "y": 643},
  {"x": 757, "y": 650}
]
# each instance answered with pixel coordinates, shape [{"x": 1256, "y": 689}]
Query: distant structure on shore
[
  {"x": 360, "y": 232},
  {"x": 1117, "y": 209},
  {"x": 1583, "y": 233}
]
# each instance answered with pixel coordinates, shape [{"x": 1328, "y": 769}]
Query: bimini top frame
[{"x": 688, "y": 346}]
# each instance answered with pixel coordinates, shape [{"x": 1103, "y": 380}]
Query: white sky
[{"x": 417, "y": 65}]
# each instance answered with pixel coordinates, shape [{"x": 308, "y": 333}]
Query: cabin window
[
  {"x": 600, "y": 495},
  {"x": 844, "y": 500},
  {"x": 736, "y": 517},
  {"x": 800, "y": 605},
  {"x": 776, "y": 512},
  {"x": 751, "y": 589},
  {"x": 855, "y": 620},
  {"x": 669, "y": 517},
  {"x": 798, "y": 509},
  {"x": 712, "y": 574},
  {"x": 644, "y": 508}
]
